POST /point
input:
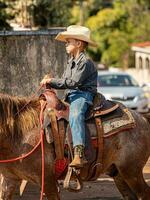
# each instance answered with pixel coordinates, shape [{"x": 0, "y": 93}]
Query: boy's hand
[{"x": 45, "y": 81}]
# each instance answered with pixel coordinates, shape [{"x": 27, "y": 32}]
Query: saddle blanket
[{"x": 113, "y": 125}]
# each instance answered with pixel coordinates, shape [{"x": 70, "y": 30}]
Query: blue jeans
[{"x": 79, "y": 103}]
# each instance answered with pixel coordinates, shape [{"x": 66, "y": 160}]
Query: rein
[
  {"x": 41, "y": 141},
  {"x": 32, "y": 97}
]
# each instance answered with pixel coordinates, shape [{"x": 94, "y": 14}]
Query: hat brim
[{"x": 63, "y": 36}]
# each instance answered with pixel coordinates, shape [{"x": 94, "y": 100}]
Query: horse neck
[{"x": 17, "y": 116}]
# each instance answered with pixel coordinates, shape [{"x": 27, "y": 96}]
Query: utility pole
[
  {"x": 81, "y": 4},
  {"x": 81, "y": 12},
  {"x": 25, "y": 16}
]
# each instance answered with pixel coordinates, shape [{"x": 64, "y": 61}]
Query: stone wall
[{"x": 26, "y": 56}]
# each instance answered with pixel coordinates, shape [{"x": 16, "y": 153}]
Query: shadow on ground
[{"x": 102, "y": 189}]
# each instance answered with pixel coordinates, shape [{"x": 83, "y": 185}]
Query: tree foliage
[
  {"x": 83, "y": 9},
  {"x": 48, "y": 13},
  {"x": 4, "y": 16},
  {"x": 116, "y": 28},
  {"x": 115, "y": 24}
]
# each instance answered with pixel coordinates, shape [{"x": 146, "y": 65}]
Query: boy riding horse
[{"x": 80, "y": 80}]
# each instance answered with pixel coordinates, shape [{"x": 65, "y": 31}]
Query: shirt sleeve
[
  {"x": 58, "y": 83},
  {"x": 77, "y": 80},
  {"x": 63, "y": 83}
]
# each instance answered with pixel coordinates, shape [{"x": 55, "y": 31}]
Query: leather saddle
[
  {"x": 57, "y": 110},
  {"x": 100, "y": 106}
]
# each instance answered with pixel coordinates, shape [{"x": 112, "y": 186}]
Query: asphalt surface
[{"x": 102, "y": 189}]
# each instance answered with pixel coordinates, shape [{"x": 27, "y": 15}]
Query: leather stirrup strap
[
  {"x": 56, "y": 135},
  {"x": 99, "y": 160},
  {"x": 72, "y": 176},
  {"x": 62, "y": 134}
]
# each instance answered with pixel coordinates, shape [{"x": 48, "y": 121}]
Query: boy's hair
[{"x": 84, "y": 44}]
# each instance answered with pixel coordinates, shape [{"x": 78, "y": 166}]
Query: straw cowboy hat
[{"x": 76, "y": 32}]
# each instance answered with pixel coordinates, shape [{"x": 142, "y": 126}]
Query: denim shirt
[{"x": 80, "y": 75}]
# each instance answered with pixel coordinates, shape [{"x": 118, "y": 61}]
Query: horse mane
[{"x": 18, "y": 115}]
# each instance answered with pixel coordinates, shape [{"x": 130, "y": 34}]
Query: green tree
[
  {"x": 83, "y": 9},
  {"x": 48, "y": 13},
  {"x": 116, "y": 28},
  {"x": 4, "y": 16}
]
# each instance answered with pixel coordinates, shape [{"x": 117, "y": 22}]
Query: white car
[{"x": 121, "y": 87}]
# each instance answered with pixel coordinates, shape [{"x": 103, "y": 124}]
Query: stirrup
[{"x": 72, "y": 177}]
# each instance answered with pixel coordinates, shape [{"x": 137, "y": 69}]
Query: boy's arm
[
  {"x": 57, "y": 83},
  {"x": 77, "y": 80}
]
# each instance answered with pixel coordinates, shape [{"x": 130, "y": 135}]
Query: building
[
  {"x": 142, "y": 55},
  {"x": 142, "y": 61}
]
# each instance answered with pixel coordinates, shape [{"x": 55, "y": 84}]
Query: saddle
[
  {"x": 100, "y": 106},
  {"x": 56, "y": 114}
]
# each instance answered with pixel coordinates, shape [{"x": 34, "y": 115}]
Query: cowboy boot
[{"x": 79, "y": 157}]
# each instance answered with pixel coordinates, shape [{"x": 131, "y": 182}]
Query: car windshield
[{"x": 109, "y": 80}]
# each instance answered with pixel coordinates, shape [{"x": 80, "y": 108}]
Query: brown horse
[{"x": 125, "y": 154}]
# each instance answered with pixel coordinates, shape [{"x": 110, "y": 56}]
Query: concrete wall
[{"x": 26, "y": 56}]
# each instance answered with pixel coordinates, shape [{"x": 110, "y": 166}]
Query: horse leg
[
  {"x": 123, "y": 188},
  {"x": 51, "y": 188},
  {"x": 8, "y": 188},
  {"x": 51, "y": 192},
  {"x": 134, "y": 179}
]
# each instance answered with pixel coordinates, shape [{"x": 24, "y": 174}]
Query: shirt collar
[
  {"x": 70, "y": 60},
  {"x": 78, "y": 60}
]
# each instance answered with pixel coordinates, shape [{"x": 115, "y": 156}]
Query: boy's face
[{"x": 72, "y": 46}]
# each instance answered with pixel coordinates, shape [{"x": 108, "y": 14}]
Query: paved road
[{"x": 102, "y": 189}]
